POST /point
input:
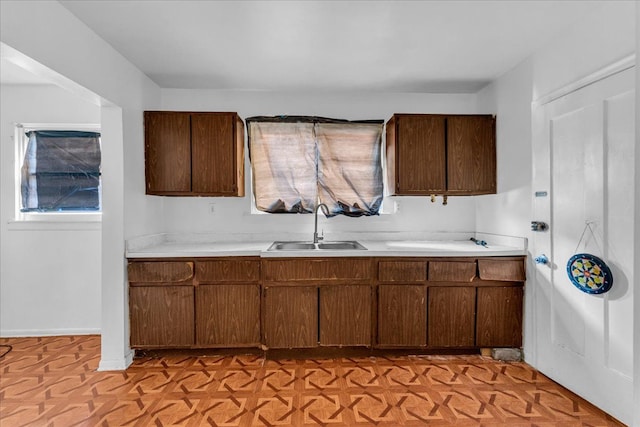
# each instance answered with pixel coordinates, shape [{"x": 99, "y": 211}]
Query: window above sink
[{"x": 299, "y": 161}]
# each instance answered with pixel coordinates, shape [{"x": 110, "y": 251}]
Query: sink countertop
[{"x": 401, "y": 248}]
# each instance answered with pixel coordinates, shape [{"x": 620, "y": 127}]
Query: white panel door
[{"x": 583, "y": 158}]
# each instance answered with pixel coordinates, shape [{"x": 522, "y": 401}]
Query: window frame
[
  {"x": 387, "y": 207},
  {"x": 20, "y": 146}
]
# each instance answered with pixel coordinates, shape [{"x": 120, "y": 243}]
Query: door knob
[
  {"x": 541, "y": 259},
  {"x": 539, "y": 226}
]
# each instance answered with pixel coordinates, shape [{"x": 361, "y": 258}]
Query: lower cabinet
[
  {"x": 161, "y": 316},
  {"x": 345, "y": 315},
  {"x": 402, "y": 316},
  {"x": 283, "y": 303},
  {"x": 291, "y": 316},
  {"x": 499, "y": 317},
  {"x": 228, "y": 315},
  {"x": 451, "y": 316}
]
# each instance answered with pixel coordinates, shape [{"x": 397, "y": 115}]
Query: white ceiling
[{"x": 399, "y": 46}]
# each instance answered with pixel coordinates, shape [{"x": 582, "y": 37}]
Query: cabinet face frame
[{"x": 187, "y": 147}]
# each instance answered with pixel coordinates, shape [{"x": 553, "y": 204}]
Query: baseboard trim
[
  {"x": 19, "y": 333},
  {"x": 116, "y": 364}
]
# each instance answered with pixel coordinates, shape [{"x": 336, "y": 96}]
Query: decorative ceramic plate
[{"x": 589, "y": 273}]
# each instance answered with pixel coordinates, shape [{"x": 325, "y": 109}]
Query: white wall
[
  {"x": 53, "y": 38},
  {"x": 509, "y": 211},
  {"x": 233, "y": 214},
  {"x": 49, "y": 273},
  {"x": 606, "y": 36},
  {"x": 636, "y": 239}
]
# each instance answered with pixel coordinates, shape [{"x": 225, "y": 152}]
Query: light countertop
[{"x": 165, "y": 246}]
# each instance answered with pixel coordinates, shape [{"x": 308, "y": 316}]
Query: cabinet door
[
  {"x": 345, "y": 315},
  {"x": 499, "y": 321},
  {"x": 167, "y": 139},
  {"x": 420, "y": 152},
  {"x": 452, "y": 316},
  {"x": 402, "y": 316},
  {"x": 291, "y": 316},
  {"x": 471, "y": 154},
  {"x": 161, "y": 316},
  {"x": 228, "y": 315},
  {"x": 214, "y": 154}
]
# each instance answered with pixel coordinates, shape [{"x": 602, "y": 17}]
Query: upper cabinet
[
  {"x": 194, "y": 154},
  {"x": 441, "y": 154}
]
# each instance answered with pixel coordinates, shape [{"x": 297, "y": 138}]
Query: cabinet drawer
[
  {"x": 452, "y": 271},
  {"x": 402, "y": 271},
  {"x": 228, "y": 270},
  {"x": 502, "y": 270},
  {"x": 160, "y": 271},
  {"x": 309, "y": 270}
]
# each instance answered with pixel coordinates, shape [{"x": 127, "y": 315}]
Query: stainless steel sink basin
[{"x": 310, "y": 246}]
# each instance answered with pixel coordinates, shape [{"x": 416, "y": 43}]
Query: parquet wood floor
[{"x": 53, "y": 381}]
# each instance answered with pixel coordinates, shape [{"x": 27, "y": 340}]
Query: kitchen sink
[{"x": 310, "y": 246}]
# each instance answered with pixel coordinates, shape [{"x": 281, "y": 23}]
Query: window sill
[{"x": 57, "y": 222}]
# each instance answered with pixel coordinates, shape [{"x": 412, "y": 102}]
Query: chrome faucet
[{"x": 325, "y": 209}]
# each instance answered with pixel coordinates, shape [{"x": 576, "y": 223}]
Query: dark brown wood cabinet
[
  {"x": 450, "y": 302},
  {"x": 317, "y": 301},
  {"x": 471, "y": 155},
  {"x": 228, "y": 302},
  {"x": 286, "y": 303},
  {"x": 416, "y": 154},
  {"x": 451, "y": 316},
  {"x": 161, "y": 302},
  {"x": 228, "y": 315},
  {"x": 441, "y": 154},
  {"x": 402, "y": 316},
  {"x": 194, "y": 154},
  {"x": 345, "y": 315},
  {"x": 161, "y": 316},
  {"x": 499, "y": 304},
  {"x": 291, "y": 316},
  {"x": 402, "y": 303},
  {"x": 195, "y": 303},
  {"x": 499, "y": 317}
]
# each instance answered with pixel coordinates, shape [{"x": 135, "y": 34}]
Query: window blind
[
  {"x": 300, "y": 161},
  {"x": 61, "y": 171}
]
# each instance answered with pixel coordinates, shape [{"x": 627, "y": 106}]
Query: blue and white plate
[{"x": 589, "y": 273}]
